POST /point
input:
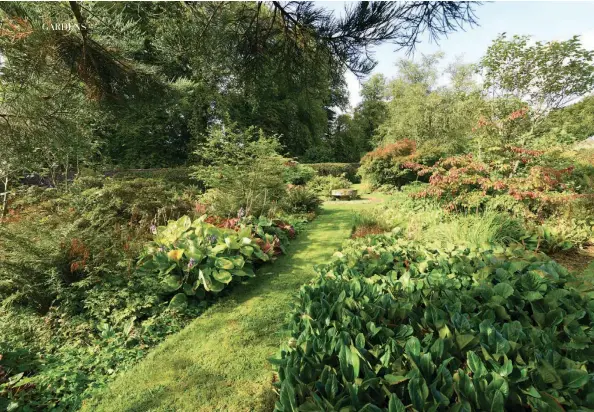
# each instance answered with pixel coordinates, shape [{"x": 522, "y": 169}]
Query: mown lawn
[{"x": 219, "y": 362}]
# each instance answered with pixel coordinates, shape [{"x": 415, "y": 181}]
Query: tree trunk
[{"x": 5, "y": 199}]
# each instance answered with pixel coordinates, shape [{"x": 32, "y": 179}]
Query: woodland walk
[{"x": 220, "y": 361}]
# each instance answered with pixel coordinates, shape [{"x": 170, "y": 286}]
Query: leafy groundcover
[{"x": 395, "y": 325}]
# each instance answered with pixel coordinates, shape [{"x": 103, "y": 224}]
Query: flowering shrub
[
  {"x": 382, "y": 165},
  {"x": 463, "y": 183},
  {"x": 506, "y": 125}
]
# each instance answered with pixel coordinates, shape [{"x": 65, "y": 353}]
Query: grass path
[{"x": 219, "y": 362}]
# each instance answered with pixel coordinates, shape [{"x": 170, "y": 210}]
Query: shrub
[
  {"x": 297, "y": 173},
  {"x": 323, "y": 185},
  {"x": 393, "y": 325},
  {"x": 191, "y": 258},
  {"x": 562, "y": 234},
  {"x": 74, "y": 310},
  {"x": 382, "y": 166},
  {"x": 463, "y": 183},
  {"x": 243, "y": 170},
  {"x": 338, "y": 169},
  {"x": 300, "y": 200},
  {"x": 174, "y": 175}
]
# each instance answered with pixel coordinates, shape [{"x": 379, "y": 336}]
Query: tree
[
  {"x": 276, "y": 65},
  {"x": 372, "y": 110},
  {"x": 546, "y": 76},
  {"x": 419, "y": 110}
]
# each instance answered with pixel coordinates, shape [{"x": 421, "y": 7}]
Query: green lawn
[{"x": 219, "y": 362}]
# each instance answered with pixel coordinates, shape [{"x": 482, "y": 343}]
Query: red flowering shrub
[
  {"x": 463, "y": 183},
  {"x": 383, "y": 166}
]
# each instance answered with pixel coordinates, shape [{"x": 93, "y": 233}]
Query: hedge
[{"x": 336, "y": 169}]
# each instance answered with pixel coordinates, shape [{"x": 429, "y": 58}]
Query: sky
[{"x": 544, "y": 20}]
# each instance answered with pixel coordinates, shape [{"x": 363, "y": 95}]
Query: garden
[{"x": 204, "y": 226}]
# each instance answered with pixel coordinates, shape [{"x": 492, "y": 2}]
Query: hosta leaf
[
  {"x": 463, "y": 406},
  {"x": 413, "y": 346},
  {"x": 532, "y": 296},
  {"x": 532, "y": 392},
  {"x": 189, "y": 290},
  {"x": 360, "y": 341},
  {"x": 418, "y": 392},
  {"x": 169, "y": 269},
  {"x": 504, "y": 289},
  {"x": 497, "y": 402},
  {"x": 222, "y": 276},
  {"x": 549, "y": 374},
  {"x": 464, "y": 384},
  {"x": 172, "y": 283},
  {"x": 355, "y": 360},
  {"x": 238, "y": 261},
  {"x": 216, "y": 286},
  {"x": 193, "y": 251},
  {"x": 184, "y": 222},
  {"x": 287, "y": 397},
  {"x": 464, "y": 340},
  {"x": 223, "y": 263},
  {"x": 218, "y": 249},
  {"x": 247, "y": 250},
  {"x": 178, "y": 302},
  {"x": 395, "y": 379}
]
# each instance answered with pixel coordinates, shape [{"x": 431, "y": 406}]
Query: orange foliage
[{"x": 400, "y": 148}]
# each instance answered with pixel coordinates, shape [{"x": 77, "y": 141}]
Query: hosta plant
[
  {"x": 193, "y": 258},
  {"x": 391, "y": 325}
]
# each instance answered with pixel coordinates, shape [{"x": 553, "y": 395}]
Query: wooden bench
[{"x": 344, "y": 194}]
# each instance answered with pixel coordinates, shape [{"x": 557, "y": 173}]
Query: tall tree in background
[
  {"x": 279, "y": 66},
  {"x": 546, "y": 76},
  {"x": 421, "y": 110},
  {"x": 372, "y": 110}
]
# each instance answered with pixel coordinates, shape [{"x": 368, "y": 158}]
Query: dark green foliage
[
  {"x": 337, "y": 169},
  {"x": 173, "y": 175},
  {"x": 243, "y": 170},
  {"x": 323, "y": 185},
  {"x": 299, "y": 200},
  {"x": 297, "y": 173},
  {"x": 73, "y": 308},
  {"x": 392, "y": 324}
]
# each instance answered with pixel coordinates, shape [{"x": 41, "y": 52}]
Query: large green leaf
[
  {"x": 172, "y": 283},
  {"x": 224, "y": 263},
  {"x": 476, "y": 364},
  {"x": 178, "y": 302},
  {"x": 222, "y": 276},
  {"x": 395, "y": 404},
  {"x": 418, "y": 392}
]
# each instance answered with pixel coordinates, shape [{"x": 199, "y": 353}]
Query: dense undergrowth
[
  {"x": 445, "y": 298},
  {"x": 94, "y": 275},
  {"x": 393, "y": 324}
]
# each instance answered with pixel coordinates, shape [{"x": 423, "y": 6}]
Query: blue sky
[{"x": 545, "y": 21}]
